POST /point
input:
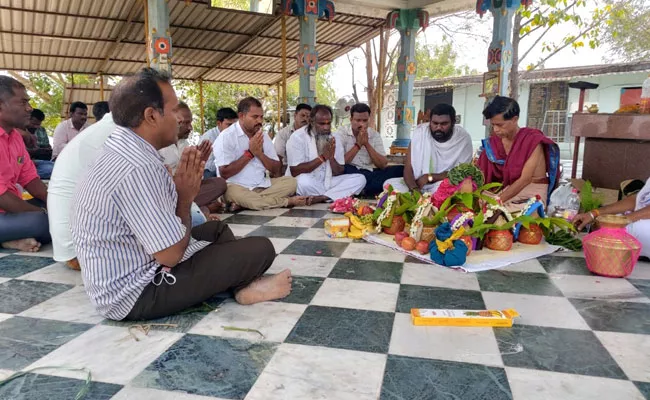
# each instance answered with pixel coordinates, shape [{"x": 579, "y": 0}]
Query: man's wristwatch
[{"x": 430, "y": 178}]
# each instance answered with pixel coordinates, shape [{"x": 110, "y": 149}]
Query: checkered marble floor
[{"x": 343, "y": 333}]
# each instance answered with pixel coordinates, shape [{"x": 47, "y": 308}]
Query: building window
[{"x": 547, "y": 109}]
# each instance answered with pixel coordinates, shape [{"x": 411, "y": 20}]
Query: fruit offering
[
  {"x": 400, "y": 236},
  {"x": 343, "y": 205},
  {"x": 408, "y": 244},
  {"x": 422, "y": 247}
]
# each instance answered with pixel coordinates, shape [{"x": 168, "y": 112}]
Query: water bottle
[
  {"x": 572, "y": 206},
  {"x": 645, "y": 97}
]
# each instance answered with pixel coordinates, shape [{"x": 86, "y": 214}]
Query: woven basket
[{"x": 611, "y": 251}]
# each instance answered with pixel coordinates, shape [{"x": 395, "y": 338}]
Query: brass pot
[{"x": 611, "y": 251}]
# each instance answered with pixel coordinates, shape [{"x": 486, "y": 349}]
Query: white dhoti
[
  {"x": 641, "y": 231},
  {"x": 399, "y": 185},
  {"x": 340, "y": 186},
  {"x": 58, "y": 209}
]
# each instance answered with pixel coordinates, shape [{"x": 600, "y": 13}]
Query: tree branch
[
  {"x": 539, "y": 39},
  {"x": 28, "y": 84}
]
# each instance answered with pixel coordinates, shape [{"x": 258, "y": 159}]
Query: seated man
[
  {"x": 243, "y": 154},
  {"x": 300, "y": 119},
  {"x": 435, "y": 148},
  {"x": 38, "y": 144},
  {"x": 100, "y": 109},
  {"x": 68, "y": 129},
  {"x": 73, "y": 163},
  {"x": 638, "y": 206},
  {"x": 131, "y": 220},
  {"x": 524, "y": 160},
  {"x": 364, "y": 151},
  {"x": 211, "y": 188},
  {"x": 315, "y": 158},
  {"x": 23, "y": 225},
  {"x": 225, "y": 118}
]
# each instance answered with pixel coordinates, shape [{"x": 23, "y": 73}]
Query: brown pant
[
  {"x": 275, "y": 196},
  {"x": 226, "y": 264},
  {"x": 211, "y": 189}
]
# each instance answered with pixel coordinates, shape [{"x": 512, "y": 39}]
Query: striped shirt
[{"x": 125, "y": 211}]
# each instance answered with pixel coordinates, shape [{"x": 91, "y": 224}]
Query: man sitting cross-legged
[
  {"x": 244, "y": 154},
  {"x": 300, "y": 119},
  {"x": 436, "y": 147},
  {"x": 316, "y": 158},
  {"x": 364, "y": 151},
  {"x": 23, "y": 224},
  {"x": 139, "y": 257}
]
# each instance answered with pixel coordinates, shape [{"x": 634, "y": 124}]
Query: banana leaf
[
  {"x": 402, "y": 209},
  {"x": 388, "y": 221}
]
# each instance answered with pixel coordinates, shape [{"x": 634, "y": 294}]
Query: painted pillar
[
  {"x": 158, "y": 37},
  {"x": 407, "y": 23},
  {"x": 309, "y": 11}
]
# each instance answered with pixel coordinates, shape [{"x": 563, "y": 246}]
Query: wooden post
[
  {"x": 284, "y": 68},
  {"x": 101, "y": 87},
  {"x": 146, "y": 30},
  {"x": 279, "y": 106},
  {"x": 201, "y": 107}
]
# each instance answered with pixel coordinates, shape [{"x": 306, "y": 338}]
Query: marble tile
[
  {"x": 517, "y": 282},
  {"x": 283, "y": 232},
  {"x": 57, "y": 273},
  {"x": 614, "y": 316},
  {"x": 294, "y": 222},
  {"x": 413, "y": 296},
  {"x": 343, "y": 329},
  {"x": 643, "y": 285},
  {"x": 631, "y": 352},
  {"x": 16, "y": 265},
  {"x": 134, "y": 393},
  {"x": 242, "y": 230},
  {"x": 273, "y": 319},
  {"x": 598, "y": 288},
  {"x": 444, "y": 342},
  {"x": 208, "y": 366},
  {"x": 3, "y": 280},
  {"x": 640, "y": 271},
  {"x": 303, "y": 265},
  {"x": 225, "y": 216},
  {"x": 314, "y": 248},
  {"x": 413, "y": 260},
  {"x": 542, "y": 385},
  {"x": 557, "y": 312},
  {"x": 242, "y": 219},
  {"x": 280, "y": 244},
  {"x": 45, "y": 251},
  {"x": 557, "y": 350},
  {"x": 72, "y": 306},
  {"x": 7, "y": 251},
  {"x": 319, "y": 206},
  {"x": 303, "y": 289},
  {"x": 306, "y": 372},
  {"x": 419, "y": 378},
  {"x": 25, "y": 340},
  {"x": 183, "y": 321},
  {"x": 301, "y": 213},
  {"x": 344, "y": 293},
  {"x": 116, "y": 357},
  {"x": 644, "y": 388},
  {"x": 434, "y": 275},
  {"x": 18, "y": 295},
  {"x": 564, "y": 265},
  {"x": 38, "y": 387},
  {"x": 4, "y": 317},
  {"x": 367, "y": 270},
  {"x": 318, "y": 234},
  {"x": 368, "y": 251},
  {"x": 274, "y": 212},
  {"x": 320, "y": 224},
  {"x": 525, "y": 266}
]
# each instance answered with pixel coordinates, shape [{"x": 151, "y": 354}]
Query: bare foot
[
  {"x": 266, "y": 288},
  {"x": 234, "y": 207},
  {"x": 30, "y": 245},
  {"x": 296, "y": 201},
  {"x": 318, "y": 199},
  {"x": 73, "y": 264},
  {"x": 214, "y": 217}
]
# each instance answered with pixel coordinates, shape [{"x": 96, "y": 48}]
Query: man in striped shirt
[{"x": 131, "y": 220}]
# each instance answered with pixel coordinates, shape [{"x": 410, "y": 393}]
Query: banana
[
  {"x": 356, "y": 222},
  {"x": 356, "y": 234}
]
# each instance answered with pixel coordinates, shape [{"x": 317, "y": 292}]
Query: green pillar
[
  {"x": 407, "y": 23},
  {"x": 309, "y": 11},
  {"x": 158, "y": 36}
]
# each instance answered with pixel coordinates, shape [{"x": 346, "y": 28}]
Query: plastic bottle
[
  {"x": 572, "y": 205},
  {"x": 645, "y": 97}
]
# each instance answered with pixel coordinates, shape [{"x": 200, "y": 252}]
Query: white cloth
[
  {"x": 362, "y": 160},
  {"x": 63, "y": 134},
  {"x": 172, "y": 154},
  {"x": 400, "y": 186},
  {"x": 231, "y": 145},
  {"x": 69, "y": 168},
  {"x": 641, "y": 229},
  {"x": 210, "y": 135},
  {"x": 280, "y": 142},
  {"x": 301, "y": 148}
]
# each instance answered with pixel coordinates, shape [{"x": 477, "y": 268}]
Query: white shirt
[
  {"x": 280, "y": 142},
  {"x": 362, "y": 160},
  {"x": 300, "y": 149},
  {"x": 63, "y": 134},
  {"x": 172, "y": 154},
  {"x": 210, "y": 135},
  {"x": 231, "y": 145}
]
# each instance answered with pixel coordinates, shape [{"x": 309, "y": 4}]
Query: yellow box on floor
[
  {"x": 431, "y": 317},
  {"x": 337, "y": 227}
]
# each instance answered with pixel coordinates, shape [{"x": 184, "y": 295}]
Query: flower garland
[
  {"x": 531, "y": 202},
  {"x": 493, "y": 208},
  {"x": 461, "y": 220},
  {"x": 424, "y": 201},
  {"x": 387, "y": 209}
]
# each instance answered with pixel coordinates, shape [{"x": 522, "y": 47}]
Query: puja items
[
  {"x": 532, "y": 235},
  {"x": 337, "y": 227},
  {"x": 500, "y": 240},
  {"x": 611, "y": 251},
  {"x": 342, "y": 205},
  {"x": 432, "y": 317},
  {"x": 447, "y": 249}
]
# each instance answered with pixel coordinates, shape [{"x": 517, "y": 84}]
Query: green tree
[
  {"x": 325, "y": 94},
  {"x": 438, "y": 61},
  {"x": 628, "y": 34},
  {"x": 234, "y": 4}
]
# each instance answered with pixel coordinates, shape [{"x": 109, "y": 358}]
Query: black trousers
[
  {"x": 226, "y": 264},
  {"x": 375, "y": 179}
]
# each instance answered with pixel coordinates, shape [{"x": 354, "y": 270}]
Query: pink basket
[{"x": 611, "y": 251}]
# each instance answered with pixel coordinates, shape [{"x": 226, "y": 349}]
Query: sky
[{"x": 472, "y": 51}]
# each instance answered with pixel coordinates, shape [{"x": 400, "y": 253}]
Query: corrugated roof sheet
[{"x": 90, "y": 37}]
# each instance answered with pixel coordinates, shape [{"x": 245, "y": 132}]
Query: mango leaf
[
  {"x": 467, "y": 199},
  {"x": 402, "y": 209}
]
